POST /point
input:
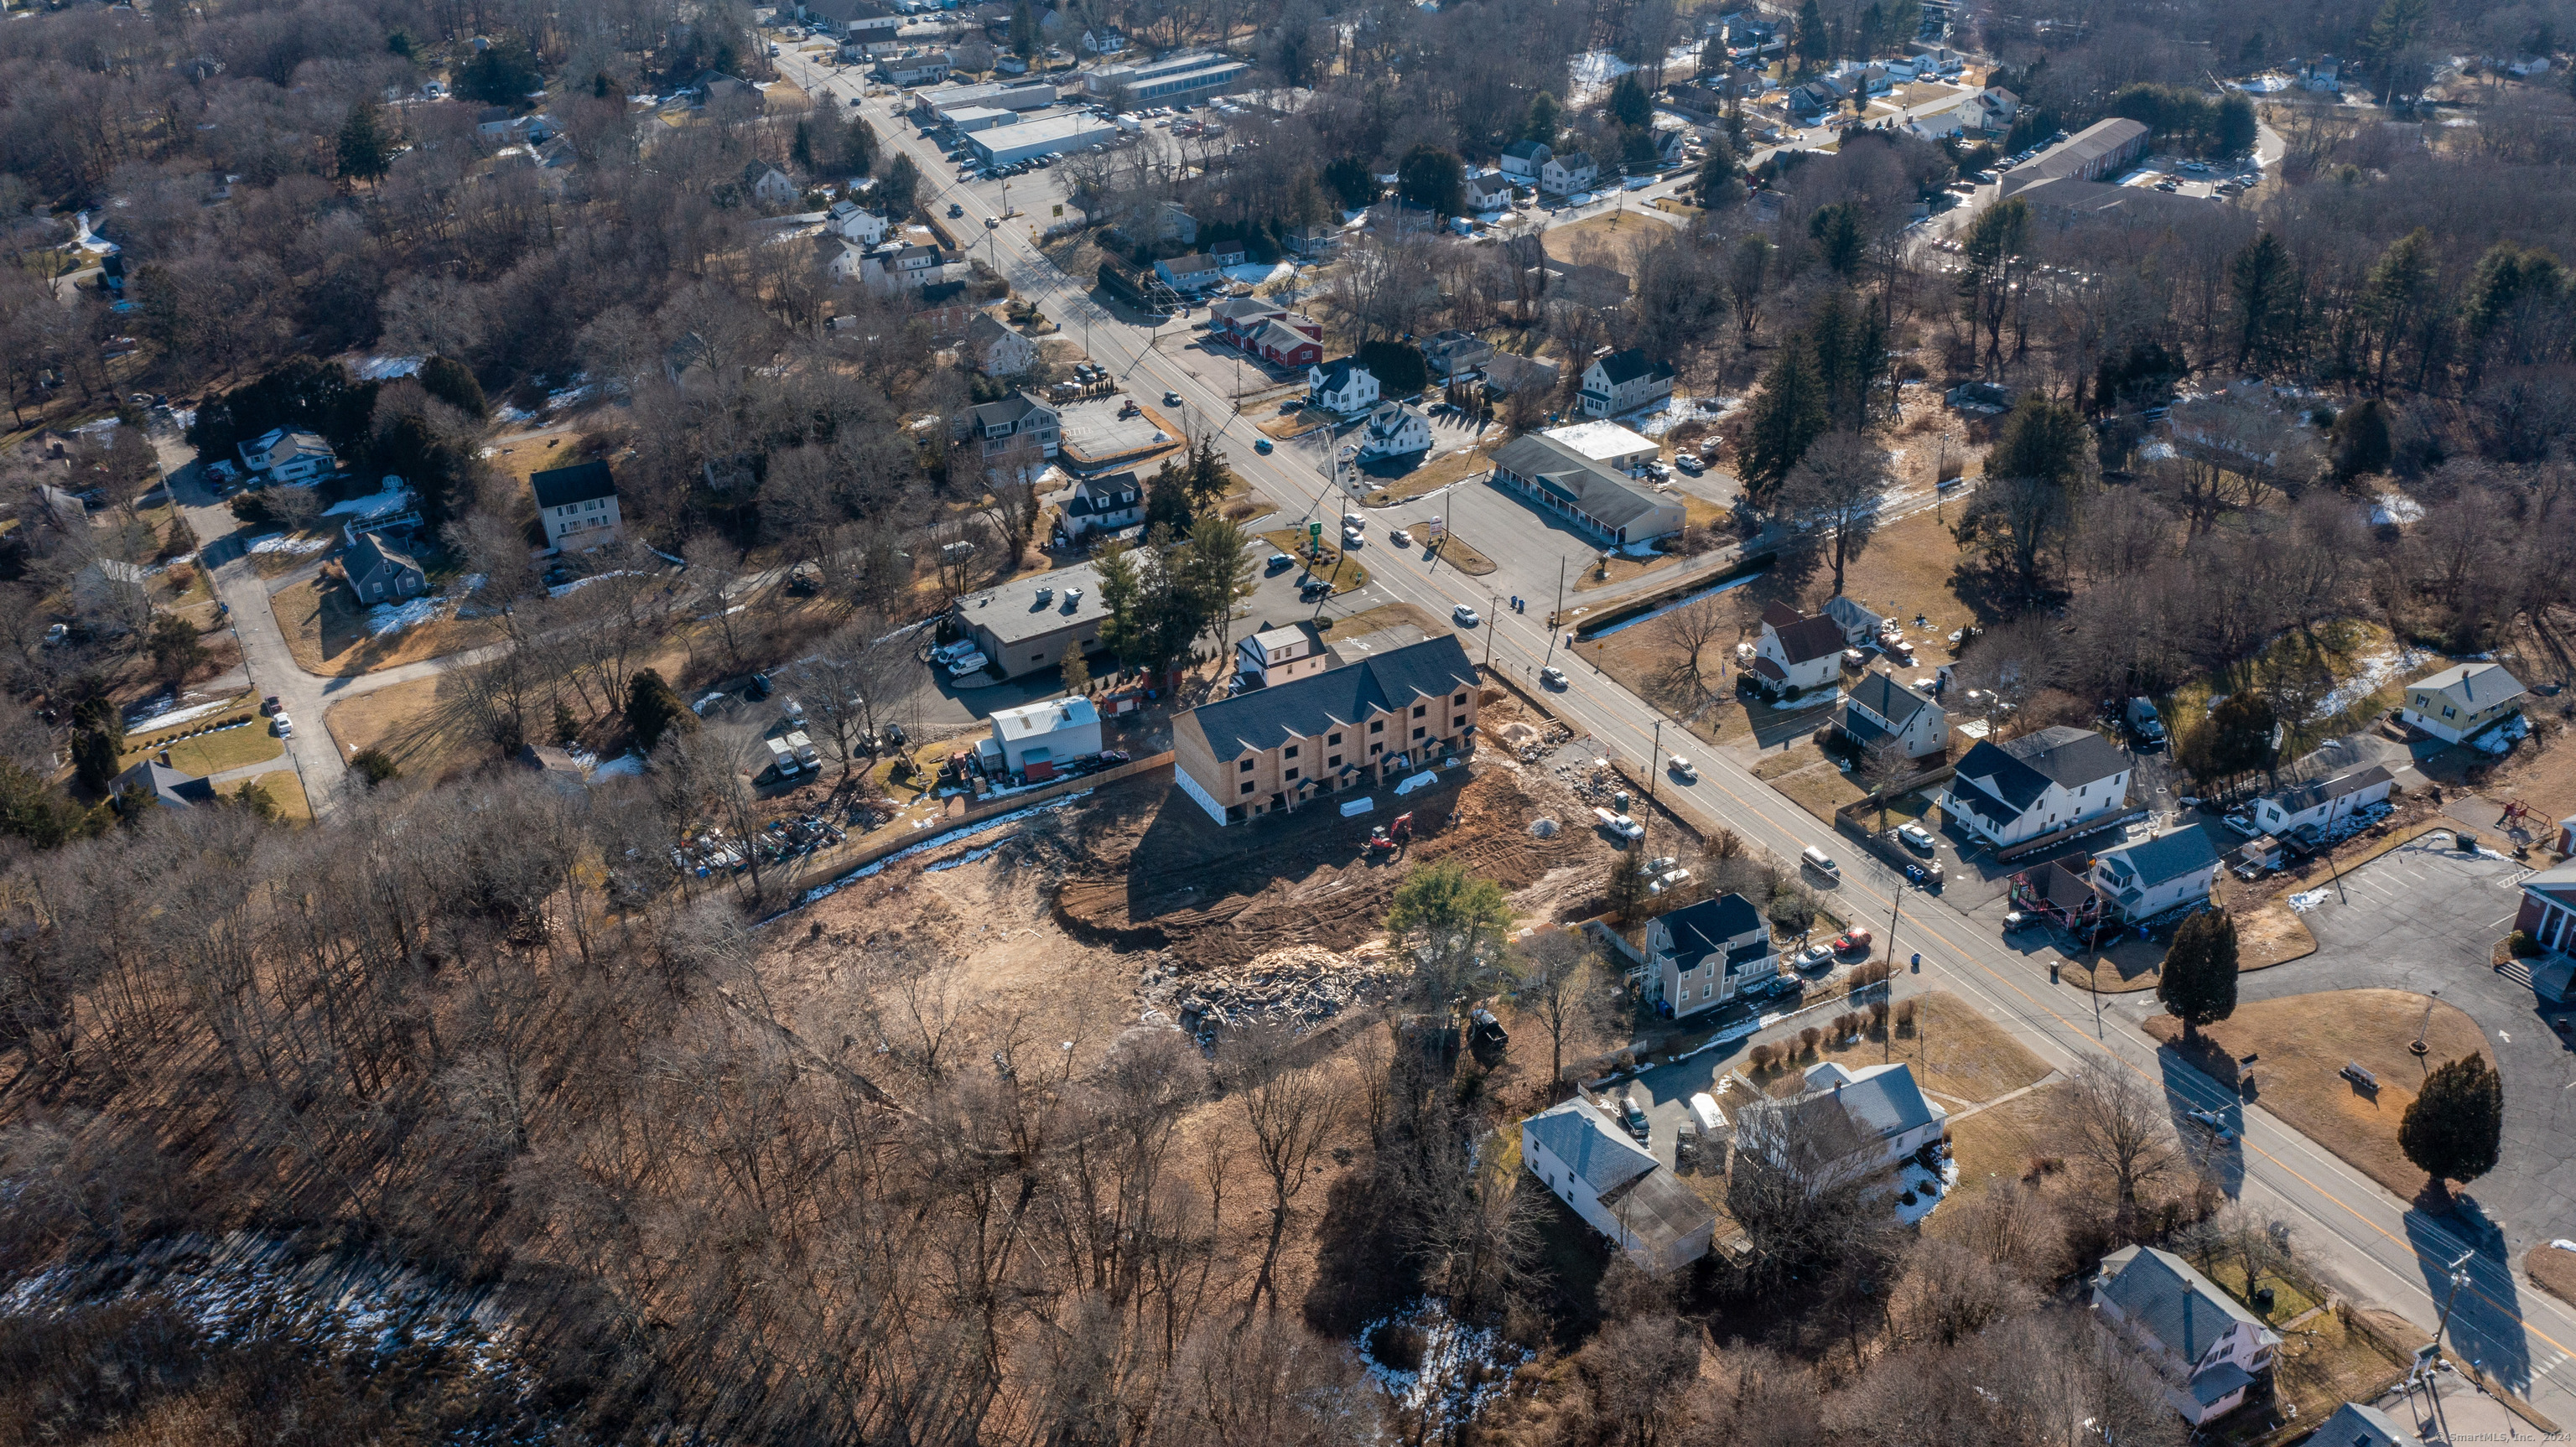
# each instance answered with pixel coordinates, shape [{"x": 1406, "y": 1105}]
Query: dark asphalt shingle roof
[
  {"x": 1576, "y": 1134},
  {"x": 581, "y": 482},
  {"x": 1337, "y": 373},
  {"x": 1628, "y": 366},
  {"x": 2020, "y": 770},
  {"x": 2175, "y": 1304},
  {"x": 1707, "y": 926},
  {"x": 2167, "y": 856},
  {"x": 1603, "y": 494},
  {"x": 165, "y": 785},
  {"x": 1658, "y": 1210},
  {"x": 1889, "y": 699},
  {"x": 1335, "y": 698},
  {"x": 2354, "y": 1425},
  {"x": 2309, "y": 796}
]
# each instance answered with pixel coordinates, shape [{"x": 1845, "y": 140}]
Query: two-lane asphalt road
[{"x": 2380, "y": 1247}]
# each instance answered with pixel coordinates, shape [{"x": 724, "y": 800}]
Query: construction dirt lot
[{"x": 1130, "y": 906}]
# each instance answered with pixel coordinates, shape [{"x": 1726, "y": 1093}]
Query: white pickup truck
[{"x": 1620, "y": 824}]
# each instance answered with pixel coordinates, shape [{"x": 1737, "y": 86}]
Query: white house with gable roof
[
  {"x": 2206, "y": 1350},
  {"x": 1617, "y": 1186}
]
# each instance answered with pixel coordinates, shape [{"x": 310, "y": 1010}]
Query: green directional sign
[{"x": 1314, "y": 530}]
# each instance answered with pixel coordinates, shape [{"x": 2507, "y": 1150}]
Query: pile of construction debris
[
  {"x": 1297, "y": 987},
  {"x": 1528, "y": 742}
]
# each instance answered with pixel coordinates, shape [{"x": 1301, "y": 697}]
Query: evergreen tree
[
  {"x": 801, "y": 149},
  {"x": 1430, "y": 178},
  {"x": 1348, "y": 178},
  {"x": 654, "y": 709},
  {"x": 255, "y": 797},
  {"x": 366, "y": 153},
  {"x": 1629, "y": 103},
  {"x": 2265, "y": 279},
  {"x": 2197, "y": 984},
  {"x": 452, "y": 382},
  {"x": 95, "y": 759},
  {"x": 375, "y": 766},
  {"x": 501, "y": 74},
  {"x": 2455, "y": 1128},
  {"x": 2361, "y": 440},
  {"x": 858, "y": 147},
  {"x": 1837, "y": 230},
  {"x": 1546, "y": 117},
  {"x": 1398, "y": 366},
  {"x": 2044, "y": 440},
  {"x": 1787, "y": 416},
  {"x": 1167, "y": 502},
  {"x": 1077, "y": 672},
  {"x": 1625, "y": 893},
  {"x": 1813, "y": 45}
]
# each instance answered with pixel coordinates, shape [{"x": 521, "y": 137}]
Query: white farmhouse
[
  {"x": 852, "y": 222},
  {"x": 1523, "y": 160},
  {"x": 1847, "y": 1125},
  {"x": 289, "y": 458},
  {"x": 1617, "y": 1186},
  {"x": 2206, "y": 1349},
  {"x": 2142, "y": 880},
  {"x": 577, "y": 504},
  {"x": 1341, "y": 385},
  {"x": 1395, "y": 430},
  {"x": 2040, "y": 783},
  {"x": 2323, "y": 803},
  {"x": 1797, "y": 654},
  {"x": 1879, "y": 708},
  {"x": 996, "y": 349},
  {"x": 1563, "y": 175},
  {"x": 2459, "y": 703}
]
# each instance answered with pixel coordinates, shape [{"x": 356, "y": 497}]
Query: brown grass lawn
[
  {"x": 1431, "y": 476},
  {"x": 1461, "y": 554},
  {"x": 1384, "y": 615},
  {"x": 1615, "y": 569},
  {"x": 325, "y": 632},
  {"x": 1905, "y": 570},
  {"x": 1999, "y": 1144},
  {"x": 1604, "y": 240},
  {"x": 1346, "y": 573},
  {"x": 1798, "y": 756},
  {"x": 1954, "y": 1052},
  {"x": 2326, "y": 1362},
  {"x": 525, "y": 453},
  {"x": 1820, "y": 790},
  {"x": 2302, "y": 1040},
  {"x": 2553, "y": 1270},
  {"x": 287, "y": 788},
  {"x": 214, "y": 753},
  {"x": 404, "y": 721},
  {"x": 2268, "y": 933}
]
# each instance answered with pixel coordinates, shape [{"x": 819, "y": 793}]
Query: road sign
[{"x": 1314, "y": 530}]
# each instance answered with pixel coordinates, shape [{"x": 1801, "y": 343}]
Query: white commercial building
[
  {"x": 1065, "y": 134},
  {"x": 1607, "y": 442}
]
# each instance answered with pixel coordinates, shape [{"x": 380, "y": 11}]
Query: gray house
[
  {"x": 1879, "y": 708},
  {"x": 160, "y": 784},
  {"x": 379, "y": 574}
]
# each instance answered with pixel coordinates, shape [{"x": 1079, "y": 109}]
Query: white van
[
  {"x": 1817, "y": 860},
  {"x": 1704, "y": 1112},
  {"x": 783, "y": 758}
]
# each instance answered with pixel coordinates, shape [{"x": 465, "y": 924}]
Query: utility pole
[
  {"x": 1493, "y": 605},
  {"x": 1654, "y": 766},
  {"x": 2459, "y": 1278},
  {"x": 1554, "y": 618}
]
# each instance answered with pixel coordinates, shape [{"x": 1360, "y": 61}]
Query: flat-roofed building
[
  {"x": 1599, "y": 499},
  {"x": 1028, "y": 140},
  {"x": 1030, "y": 623}
]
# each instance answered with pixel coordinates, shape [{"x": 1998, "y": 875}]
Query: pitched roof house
[
  {"x": 1341, "y": 385},
  {"x": 2548, "y": 915},
  {"x": 1624, "y": 381},
  {"x": 1617, "y": 1186},
  {"x": 2041, "y": 783},
  {"x": 2462, "y": 701},
  {"x": 1523, "y": 159},
  {"x": 160, "y": 784},
  {"x": 1343, "y": 729},
  {"x": 2354, "y": 1425},
  {"x": 998, "y": 351},
  {"x": 577, "y": 500},
  {"x": 1453, "y": 351},
  {"x": 1567, "y": 172},
  {"x": 2322, "y": 803},
  {"x": 1194, "y": 272},
  {"x": 768, "y": 185},
  {"x": 2186, "y": 1327},
  {"x": 1797, "y": 654},
  {"x": 1878, "y": 708},
  {"x": 1395, "y": 429},
  {"x": 379, "y": 574},
  {"x": 1846, "y": 1125},
  {"x": 1104, "y": 504},
  {"x": 1704, "y": 955},
  {"x": 998, "y": 424},
  {"x": 2170, "y": 871}
]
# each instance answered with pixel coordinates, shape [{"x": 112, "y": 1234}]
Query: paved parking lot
[{"x": 2424, "y": 917}]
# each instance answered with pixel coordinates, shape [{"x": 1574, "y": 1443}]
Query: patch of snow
[
  {"x": 1687, "y": 409},
  {"x": 826, "y": 891},
  {"x": 567, "y": 396},
  {"x": 373, "y": 505},
  {"x": 1929, "y": 1190},
  {"x": 2395, "y": 509},
  {"x": 385, "y": 369},
  {"x": 1258, "y": 274},
  {"x": 2374, "y": 674},
  {"x": 389, "y": 618},
  {"x": 281, "y": 543},
  {"x": 2157, "y": 451},
  {"x": 1463, "y": 1367},
  {"x": 2307, "y": 900},
  {"x": 179, "y": 715},
  {"x": 577, "y": 584},
  {"x": 621, "y": 767}
]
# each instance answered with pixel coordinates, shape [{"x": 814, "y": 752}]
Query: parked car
[
  {"x": 1815, "y": 955},
  {"x": 269, "y": 705},
  {"x": 1916, "y": 837},
  {"x": 1633, "y": 1118},
  {"x": 2241, "y": 824},
  {"x": 284, "y": 726},
  {"x": 1852, "y": 941},
  {"x": 1276, "y": 561}
]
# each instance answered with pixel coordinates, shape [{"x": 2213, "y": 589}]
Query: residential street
[{"x": 2378, "y": 1246}]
